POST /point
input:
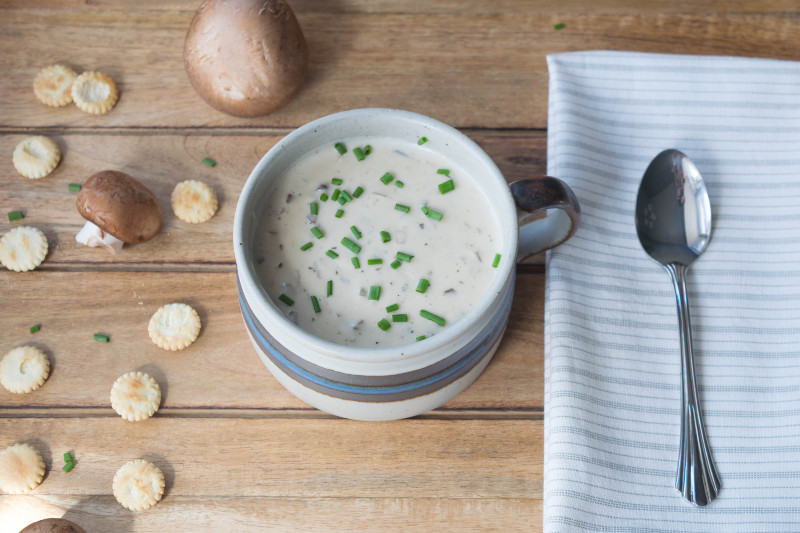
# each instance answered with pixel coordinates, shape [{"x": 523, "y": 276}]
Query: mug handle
[{"x": 548, "y": 214}]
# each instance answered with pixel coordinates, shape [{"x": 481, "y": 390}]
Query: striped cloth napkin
[{"x": 612, "y": 364}]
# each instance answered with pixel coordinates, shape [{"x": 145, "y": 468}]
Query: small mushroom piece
[
  {"x": 53, "y": 525},
  {"x": 246, "y": 58},
  {"x": 118, "y": 209}
]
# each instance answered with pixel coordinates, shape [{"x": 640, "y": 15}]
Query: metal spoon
[{"x": 673, "y": 221}]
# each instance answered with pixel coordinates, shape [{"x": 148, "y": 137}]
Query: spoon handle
[{"x": 697, "y": 478}]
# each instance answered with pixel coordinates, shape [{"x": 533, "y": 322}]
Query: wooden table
[{"x": 239, "y": 452}]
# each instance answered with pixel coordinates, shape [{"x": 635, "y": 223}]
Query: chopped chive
[
  {"x": 356, "y": 262},
  {"x": 355, "y": 232},
  {"x": 35, "y": 328},
  {"x": 430, "y": 213},
  {"x": 358, "y": 192},
  {"x": 401, "y": 207},
  {"x": 100, "y": 338},
  {"x": 339, "y": 213},
  {"x": 15, "y": 215},
  {"x": 445, "y": 171},
  {"x": 342, "y": 200},
  {"x": 393, "y": 307},
  {"x": 68, "y": 458},
  {"x": 558, "y": 26},
  {"x": 421, "y": 338},
  {"x": 208, "y": 161},
  {"x": 285, "y": 299},
  {"x": 314, "y": 208},
  {"x": 323, "y": 197},
  {"x": 340, "y": 148},
  {"x": 331, "y": 254},
  {"x": 329, "y": 288},
  {"x": 359, "y": 153},
  {"x": 307, "y": 245},
  {"x": 496, "y": 261},
  {"x": 395, "y": 264},
  {"x": 447, "y": 186},
  {"x": 317, "y": 232},
  {"x": 367, "y": 150},
  {"x": 374, "y": 261},
  {"x": 350, "y": 245},
  {"x": 374, "y": 292},
  {"x": 387, "y": 178},
  {"x": 385, "y": 237},
  {"x": 422, "y": 140},
  {"x": 430, "y": 316},
  {"x": 315, "y": 304},
  {"x": 422, "y": 286},
  {"x": 335, "y": 195},
  {"x": 399, "y": 184},
  {"x": 400, "y": 318},
  {"x": 67, "y": 467},
  {"x": 384, "y": 324},
  {"x": 336, "y": 181},
  {"x": 346, "y": 196},
  {"x": 74, "y": 187},
  {"x": 402, "y": 256}
]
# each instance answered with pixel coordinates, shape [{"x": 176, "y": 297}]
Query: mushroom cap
[
  {"x": 246, "y": 58},
  {"x": 120, "y": 206},
  {"x": 53, "y": 525}
]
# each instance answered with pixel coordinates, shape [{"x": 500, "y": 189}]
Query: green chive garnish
[
  {"x": 314, "y": 208},
  {"x": 68, "y": 458},
  {"x": 15, "y": 215},
  {"x": 359, "y": 153},
  {"x": 67, "y": 467},
  {"x": 307, "y": 245},
  {"x": 430, "y": 213},
  {"x": 285, "y": 299},
  {"x": 374, "y": 261},
  {"x": 323, "y": 197},
  {"x": 335, "y": 195},
  {"x": 331, "y": 254},
  {"x": 558, "y": 26},
  {"x": 339, "y": 213},
  {"x": 357, "y": 192},
  {"x": 421, "y": 338},
  {"x": 445, "y": 171},
  {"x": 340, "y": 148},
  {"x": 395, "y": 264},
  {"x": 342, "y": 200},
  {"x": 384, "y": 324},
  {"x": 400, "y": 318},
  {"x": 317, "y": 232},
  {"x": 496, "y": 260},
  {"x": 401, "y": 207},
  {"x": 387, "y": 178},
  {"x": 329, "y": 288},
  {"x": 74, "y": 187},
  {"x": 336, "y": 181},
  {"x": 447, "y": 186},
  {"x": 35, "y": 328},
  {"x": 350, "y": 245},
  {"x": 422, "y": 286},
  {"x": 315, "y": 304},
  {"x": 430, "y": 316},
  {"x": 374, "y": 292},
  {"x": 346, "y": 196},
  {"x": 356, "y": 262},
  {"x": 385, "y": 237},
  {"x": 422, "y": 140},
  {"x": 393, "y": 307},
  {"x": 402, "y": 256},
  {"x": 208, "y": 161},
  {"x": 355, "y": 232},
  {"x": 100, "y": 338},
  {"x": 399, "y": 184},
  {"x": 367, "y": 150}
]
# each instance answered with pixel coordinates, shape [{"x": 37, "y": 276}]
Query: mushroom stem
[{"x": 91, "y": 235}]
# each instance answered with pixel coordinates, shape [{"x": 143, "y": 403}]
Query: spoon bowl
[{"x": 673, "y": 222}]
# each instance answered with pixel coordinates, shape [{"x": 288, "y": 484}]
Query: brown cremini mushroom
[
  {"x": 246, "y": 58},
  {"x": 53, "y": 525},
  {"x": 118, "y": 210}
]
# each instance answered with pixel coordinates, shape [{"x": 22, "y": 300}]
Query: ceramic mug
[{"x": 396, "y": 382}]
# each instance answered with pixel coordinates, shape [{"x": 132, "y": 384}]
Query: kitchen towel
[{"x": 612, "y": 355}]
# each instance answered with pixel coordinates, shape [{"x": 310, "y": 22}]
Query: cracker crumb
[
  {"x": 174, "y": 326},
  {"x": 23, "y": 248},
  {"x": 36, "y": 156},
  {"x": 138, "y": 485},
  {"x": 194, "y": 201},
  {"x": 135, "y": 396},
  {"x": 53, "y": 85},
  {"x": 21, "y": 469},
  {"x": 94, "y": 93},
  {"x": 24, "y": 369}
]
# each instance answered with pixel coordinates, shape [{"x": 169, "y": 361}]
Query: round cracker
[
  {"x": 193, "y": 201},
  {"x": 24, "y": 369},
  {"x": 53, "y": 85},
  {"x": 135, "y": 396},
  {"x": 23, "y": 248},
  {"x": 36, "y": 156},
  {"x": 21, "y": 469},
  {"x": 138, "y": 485},
  {"x": 94, "y": 92},
  {"x": 174, "y": 326}
]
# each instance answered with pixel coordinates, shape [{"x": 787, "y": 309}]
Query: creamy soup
[{"x": 383, "y": 249}]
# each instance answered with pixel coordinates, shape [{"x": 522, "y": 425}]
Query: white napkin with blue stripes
[{"x": 612, "y": 364}]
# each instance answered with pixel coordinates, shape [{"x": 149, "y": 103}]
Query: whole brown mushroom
[
  {"x": 246, "y": 58},
  {"x": 53, "y": 525},
  {"x": 118, "y": 209}
]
